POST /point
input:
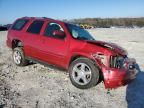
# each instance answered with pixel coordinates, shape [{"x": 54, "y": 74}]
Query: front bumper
[{"x": 115, "y": 77}]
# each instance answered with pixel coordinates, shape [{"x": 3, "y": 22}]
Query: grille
[{"x": 116, "y": 62}]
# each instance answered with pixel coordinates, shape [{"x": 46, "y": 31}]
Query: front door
[{"x": 54, "y": 49}]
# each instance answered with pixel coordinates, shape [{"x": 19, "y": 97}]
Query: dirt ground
[{"x": 37, "y": 86}]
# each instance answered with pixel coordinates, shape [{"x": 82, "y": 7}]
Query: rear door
[{"x": 54, "y": 49}]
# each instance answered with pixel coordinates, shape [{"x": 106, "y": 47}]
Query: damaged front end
[
  {"x": 117, "y": 68},
  {"x": 121, "y": 71}
]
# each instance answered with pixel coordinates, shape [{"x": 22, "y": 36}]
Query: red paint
[{"x": 59, "y": 52}]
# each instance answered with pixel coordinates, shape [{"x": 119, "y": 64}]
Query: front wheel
[
  {"x": 83, "y": 73},
  {"x": 18, "y": 57}
]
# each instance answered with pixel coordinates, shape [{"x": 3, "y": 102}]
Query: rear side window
[
  {"x": 19, "y": 24},
  {"x": 35, "y": 27}
]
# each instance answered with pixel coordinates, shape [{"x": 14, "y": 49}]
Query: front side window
[
  {"x": 35, "y": 27},
  {"x": 51, "y": 27},
  {"x": 79, "y": 33},
  {"x": 19, "y": 24}
]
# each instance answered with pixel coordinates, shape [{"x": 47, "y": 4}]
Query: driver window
[{"x": 51, "y": 27}]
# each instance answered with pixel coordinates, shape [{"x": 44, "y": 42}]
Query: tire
[
  {"x": 19, "y": 57},
  {"x": 83, "y": 73}
]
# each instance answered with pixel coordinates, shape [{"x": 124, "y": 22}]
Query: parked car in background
[
  {"x": 7, "y": 26},
  {"x": 3, "y": 28}
]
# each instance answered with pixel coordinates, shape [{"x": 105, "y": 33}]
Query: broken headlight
[{"x": 101, "y": 57}]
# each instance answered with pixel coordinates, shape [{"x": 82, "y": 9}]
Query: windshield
[{"x": 79, "y": 33}]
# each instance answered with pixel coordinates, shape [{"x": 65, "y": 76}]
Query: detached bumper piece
[{"x": 130, "y": 75}]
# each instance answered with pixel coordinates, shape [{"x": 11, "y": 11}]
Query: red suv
[{"x": 69, "y": 46}]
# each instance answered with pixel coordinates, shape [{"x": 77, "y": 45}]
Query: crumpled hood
[{"x": 109, "y": 45}]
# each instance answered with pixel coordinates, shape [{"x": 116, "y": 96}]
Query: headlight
[{"x": 101, "y": 57}]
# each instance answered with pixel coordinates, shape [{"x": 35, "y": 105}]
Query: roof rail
[
  {"x": 25, "y": 17},
  {"x": 38, "y": 17},
  {"x": 47, "y": 18}
]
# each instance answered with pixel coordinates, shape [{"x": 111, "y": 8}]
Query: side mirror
[{"x": 59, "y": 34}]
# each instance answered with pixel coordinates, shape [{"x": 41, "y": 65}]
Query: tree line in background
[
  {"x": 110, "y": 22},
  {"x": 100, "y": 22}
]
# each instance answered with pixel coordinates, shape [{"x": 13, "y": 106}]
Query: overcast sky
[{"x": 69, "y": 9}]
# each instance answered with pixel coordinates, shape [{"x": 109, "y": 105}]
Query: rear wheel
[
  {"x": 18, "y": 57},
  {"x": 83, "y": 73}
]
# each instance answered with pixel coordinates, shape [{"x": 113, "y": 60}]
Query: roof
[{"x": 40, "y": 18}]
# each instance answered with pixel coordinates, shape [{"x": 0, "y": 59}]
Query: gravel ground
[{"x": 37, "y": 86}]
